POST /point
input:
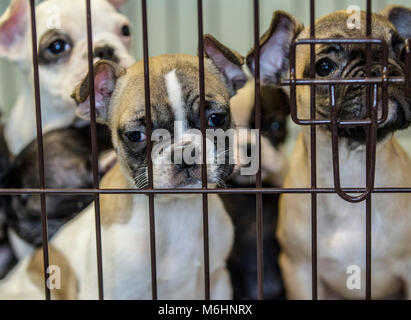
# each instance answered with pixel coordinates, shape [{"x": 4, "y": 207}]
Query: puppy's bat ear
[
  {"x": 227, "y": 61},
  {"x": 13, "y": 28},
  {"x": 400, "y": 17},
  {"x": 117, "y": 3},
  {"x": 275, "y": 48},
  {"x": 106, "y": 74}
]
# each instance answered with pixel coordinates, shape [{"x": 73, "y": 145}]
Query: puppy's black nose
[
  {"x": 105, "y": 52},
  {"x": 184, "y": 165},
  {"x": 375, "y": 73}
]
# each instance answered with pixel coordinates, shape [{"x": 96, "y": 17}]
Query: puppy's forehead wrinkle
[
  {"x": 330, "y": 49},
  {"x": 174, "y": 91},
  {"x": 338, "y": 21}
]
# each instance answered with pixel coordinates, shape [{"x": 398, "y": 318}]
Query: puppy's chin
[
  {"x": 399, "y": 118},
  {"x": 189, "y": 183},
  {"x": 182, "y": 180}
]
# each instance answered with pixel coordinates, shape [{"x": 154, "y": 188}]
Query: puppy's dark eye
[
  {"x": 58, "y": 47},
  {"x": 403, "y": 54},
  {"x": 217, "y": 120},
  {"x": 325, "y": 67},
  {"x": 275, "y": 126},
  {"x": 125, "y": 31},
  {"x": 136, "y": 136}
]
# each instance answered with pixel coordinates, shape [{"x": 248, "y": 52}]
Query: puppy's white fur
[
  {"x": 175, "y": 95},
  {"x": 56, "y": 79},
  {"x": 126, "y": 251},
  {"x": 125, "y": 218}
]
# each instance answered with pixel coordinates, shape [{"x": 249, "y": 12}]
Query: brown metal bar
[
  {"x": 339, "y": 40},
  {"x": 371, "y": 122},
  {"x": 384, "y": 80},
  {"x": 408, "y": 66},
  {"x": 259, "y": 199},
  {"x": 384, "y": 84},
  {"x": 204, "y": 151},
  {"x": 149, "y": 148},
  {"x": 12, "y": 191},
  {"x": 94, "y": 151},
  {"x": 304, "y": 82},
  {"x": 313, "y": 145},
  {"x": 371, "y": 146},
  {"x": 341, "y": 123},
  {"x": 40, "y": 149},
  {"x": 370, "y": 155},
  {"x": 293, "y": 84}
]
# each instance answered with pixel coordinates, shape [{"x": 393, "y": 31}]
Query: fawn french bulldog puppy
[
  {"x": 341, "y": 225},
  {"x": 242, "y": 263},
  {"x": 120, "y": 103},
  {"x": 62, "y": 54},
  {"x": 68, "y": 165}
]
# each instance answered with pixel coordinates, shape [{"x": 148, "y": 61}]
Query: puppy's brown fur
[{"x": 120, "y": 103}]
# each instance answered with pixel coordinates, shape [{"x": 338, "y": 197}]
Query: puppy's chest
[
  {"x": 341, "y": 227},
  {"x": 179, "y": 236},
  {"x": 179, "y": 245}
]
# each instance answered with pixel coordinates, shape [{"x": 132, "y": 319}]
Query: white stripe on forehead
[{"x": 175, "y": 97}]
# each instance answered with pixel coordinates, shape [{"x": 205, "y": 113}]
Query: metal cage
[{"x": 364, "y": 194}]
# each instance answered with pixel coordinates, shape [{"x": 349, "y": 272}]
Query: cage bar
[
  {"x": 371, "y": 123},
  {"x": 384, "y": 81},
  {"x": 370, "y": 163},
  {"x": 40, "y": 149},
  {"x": 147, "y": 101},
  {"x": 94, "y": 150},
  {"x": 313, "y": 146},
  {"x": 57, "y": 191},
  {"x": 370, "y": 155},
  {"x": 408, "y": 66},
  {"x": 203, "y": 148},
  {"x": 259, "y": 199}
]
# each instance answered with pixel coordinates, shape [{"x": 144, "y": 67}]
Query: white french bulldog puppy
[{"x": 62, "y": 54}]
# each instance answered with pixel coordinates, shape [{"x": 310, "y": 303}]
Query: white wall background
[{"x": 172, "y": 26}]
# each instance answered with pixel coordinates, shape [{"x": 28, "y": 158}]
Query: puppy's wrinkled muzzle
[
  {"x": 401, "y": 113},
  {"x": 177, "y": 164},
  {"x": 353, "y": 104}
]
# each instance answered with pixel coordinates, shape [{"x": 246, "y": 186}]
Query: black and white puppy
[
  {"x": 242, "y": 263},
  {"x": 68, "y": 165}
]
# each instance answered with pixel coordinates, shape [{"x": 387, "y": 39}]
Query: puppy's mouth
[
  {"x": 187, "y": 176},
  {"x": 183, "y": 176},
  {"x": 398, "y": 118}
]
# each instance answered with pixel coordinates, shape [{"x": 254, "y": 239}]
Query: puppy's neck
[
  {"x": 352, "y": 161},
  {"x": 118, "y": 208}
]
